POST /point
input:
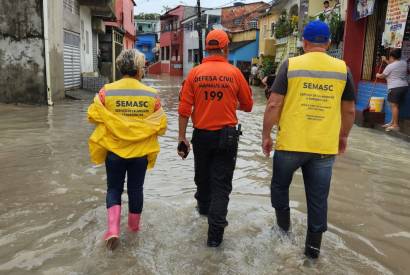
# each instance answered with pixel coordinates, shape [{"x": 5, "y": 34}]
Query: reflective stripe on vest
[
  {"x": 130, "y": 98},
  {"x": 311, "y": 119},
  {"x": 129, "y": 93}
]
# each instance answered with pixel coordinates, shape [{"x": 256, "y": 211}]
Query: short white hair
[{"x": 130, "y": 62}]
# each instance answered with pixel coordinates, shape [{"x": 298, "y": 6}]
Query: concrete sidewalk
[{"x": 80, "y": 94}]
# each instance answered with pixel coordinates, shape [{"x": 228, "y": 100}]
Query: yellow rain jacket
[{"x": 125, "y": 138}]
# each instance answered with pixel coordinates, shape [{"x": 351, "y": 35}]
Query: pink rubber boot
[
  {"x": 113, "y": 233},
  {"x": 134, "y": 222}
]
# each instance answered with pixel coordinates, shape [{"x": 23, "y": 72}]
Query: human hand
[
  {"x": 342, "y": 145},
  {"x": 182, "y": 150},
  {"x": 267, "y": 144}
]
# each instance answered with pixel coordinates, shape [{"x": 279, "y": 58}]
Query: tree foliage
[{"x": 148, "y": 16}]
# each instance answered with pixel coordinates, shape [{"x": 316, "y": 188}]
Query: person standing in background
[
  {"x": 254, "y": 74},
  {"x": 396, "y": 75}
]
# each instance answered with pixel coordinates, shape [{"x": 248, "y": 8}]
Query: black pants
[
  {"x": 135, "y": 169},
  {"x": 214, "y": 167}
]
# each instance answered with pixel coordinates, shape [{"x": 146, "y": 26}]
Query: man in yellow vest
[
  {"x": 129, "y": 118},
  {"x": 313, "y": 103}
]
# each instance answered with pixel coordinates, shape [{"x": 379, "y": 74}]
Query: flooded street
[{"x": 53, "y": 216}]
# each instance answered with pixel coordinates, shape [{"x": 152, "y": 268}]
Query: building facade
[
  {"x": 212, "y": 20},
  {"x": 120, "y": 34},
  {"x": 366, "y": 35},
  {"x": 242, "y": 17},
  {"x": 50, "y": 45},
  {"x": 148, "y": 32},
  {"x": 171, "y": 41},
  {"x": 243, "y": 49}
]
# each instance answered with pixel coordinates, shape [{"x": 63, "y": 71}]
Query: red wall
[
  {"x": 165, "y": 68},
  {"x": 128, "y": 19},
  {"x": 354, "y": 42},
  {"x": 166, "y": 38},
  {"x": 124, "y": 11},
  {"x": 155, "y": 68}
]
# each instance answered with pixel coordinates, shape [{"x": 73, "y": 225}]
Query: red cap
[{"x": 216, "y": 39}]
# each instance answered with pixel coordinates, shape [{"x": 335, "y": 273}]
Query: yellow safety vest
[
  {"x": 311, "y": 119},
  {"x": 130, "y": 98}
]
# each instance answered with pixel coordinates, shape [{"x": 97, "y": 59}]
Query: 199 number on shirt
[{"x": 214, "y": 95}]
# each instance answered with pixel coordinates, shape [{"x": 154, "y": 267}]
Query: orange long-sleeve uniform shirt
[{"x": 212, "y": 92}]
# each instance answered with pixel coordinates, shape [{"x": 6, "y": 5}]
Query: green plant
[
  {"x": 284, "y": 27},
  {"x": 268, "y": 64}
]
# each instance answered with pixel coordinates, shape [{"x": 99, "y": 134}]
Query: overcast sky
[{"x": 156, "y": 6}]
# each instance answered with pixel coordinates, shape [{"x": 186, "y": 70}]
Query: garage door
[{"x": 72, "y": 61}]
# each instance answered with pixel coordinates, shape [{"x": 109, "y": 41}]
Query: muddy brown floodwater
[{"x": 52, "y": 204}]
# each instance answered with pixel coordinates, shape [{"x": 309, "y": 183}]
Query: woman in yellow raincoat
[{"x": 129, "y": 118}]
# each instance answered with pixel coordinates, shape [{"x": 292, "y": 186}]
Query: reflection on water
[{"x": 52, "y": 204}]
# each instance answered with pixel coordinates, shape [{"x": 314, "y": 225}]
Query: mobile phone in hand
[{"x": 182, "y": 147}]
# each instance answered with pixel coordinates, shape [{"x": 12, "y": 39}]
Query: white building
[
  {"x": 212, "y": 20},
  {"x": 86, "y": 43}
]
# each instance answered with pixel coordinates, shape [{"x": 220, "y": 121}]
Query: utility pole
[{"x": 199, "y": 29}]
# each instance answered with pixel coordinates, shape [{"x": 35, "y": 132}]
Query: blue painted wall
[
  {"x": 245, "y": 53},
  {"x": 380, "y": 90},
  {"x": 145, "y": 43}
]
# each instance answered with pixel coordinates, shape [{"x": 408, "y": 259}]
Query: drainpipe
[{"x": 47, "y": 53}]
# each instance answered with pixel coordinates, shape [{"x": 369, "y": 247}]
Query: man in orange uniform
[{"x": 215, "y": 90}]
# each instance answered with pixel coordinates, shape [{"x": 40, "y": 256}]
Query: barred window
[
  {"x": 253, "y": 24},
  {"x": 72, "y": 6}
]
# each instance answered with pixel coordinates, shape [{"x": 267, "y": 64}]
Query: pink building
[
  {"x": 120, "y": 34},
  {"x": 171, "y": 41},
  {"x": 124, "y": 12}
]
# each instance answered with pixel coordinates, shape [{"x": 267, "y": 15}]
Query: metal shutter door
[
  {"x": 72, "y": 61},
  {"x": 95, "y": 51}
]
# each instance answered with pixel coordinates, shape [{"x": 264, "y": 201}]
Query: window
[
  {"x": 87, "y": 42},
  {"x": 190, "y": 56},
  {"x": 196, "y": 56},
  {"x": 140, "y": 28},
  {"x": 253, "y": 24},
  {"x": 72, "y": 6},
  {"x": 167, "y": 53},
  {"x": 162, "y": 53},
  {"x": 237, "y": 21},
  {"x": 272, "y": 29}
]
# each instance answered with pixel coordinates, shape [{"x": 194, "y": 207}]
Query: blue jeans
[
  {"x": 317, "y": 174},
  {"x": 116, "y": 168}
]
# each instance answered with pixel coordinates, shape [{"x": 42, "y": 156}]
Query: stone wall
[{"x": 22, "y": 77}]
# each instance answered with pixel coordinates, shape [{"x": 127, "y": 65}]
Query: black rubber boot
[
  {"x": 312, "y": 246},
  {"x": 215, "y": 236},
  {"x": 202, "y": 209},
  {"x": 283, "y": 219}
]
